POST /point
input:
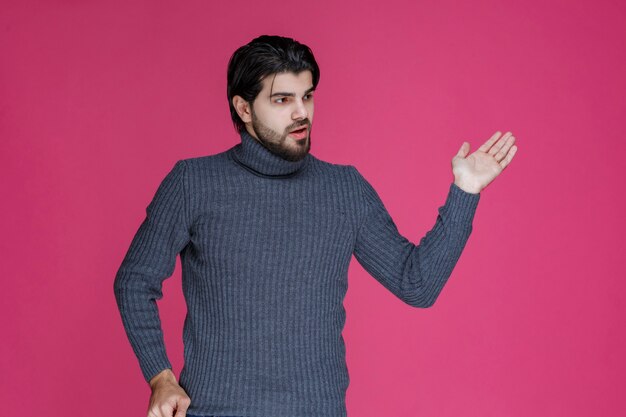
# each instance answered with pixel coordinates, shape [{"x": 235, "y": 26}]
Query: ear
[{"x": 243, "y": 109}]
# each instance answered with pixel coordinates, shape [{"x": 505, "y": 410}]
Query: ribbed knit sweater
[{"x": 265, "y": 246}]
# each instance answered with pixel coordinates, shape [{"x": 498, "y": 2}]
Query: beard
[{"x": 277, "y": 144}]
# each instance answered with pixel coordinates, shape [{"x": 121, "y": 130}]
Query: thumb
[
  {"x": 181, "y": 412},
  {"x": 463, "y": 150}
]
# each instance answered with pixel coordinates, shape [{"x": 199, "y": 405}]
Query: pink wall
[{"x": 98, "y": 99}]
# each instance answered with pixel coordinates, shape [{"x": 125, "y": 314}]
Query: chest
[{"x": 289, "y": 224}]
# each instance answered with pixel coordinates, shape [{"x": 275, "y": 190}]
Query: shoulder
[
  {"x": 344, "y": 170},
  {"x": 346, "y": 176},
  {"x": 349, "y": 173},
  {"x": 198, "y": 162},
  {"x": 201, "y": 165}
]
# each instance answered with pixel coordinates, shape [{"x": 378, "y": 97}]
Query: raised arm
[
  {"x": 414, "y": 273},
  {"x": 417, "y": 273}
]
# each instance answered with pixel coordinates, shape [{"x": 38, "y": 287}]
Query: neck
[{"x": 254, "y": 156}]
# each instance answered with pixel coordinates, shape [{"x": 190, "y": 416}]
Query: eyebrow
[{"x": 292, "y": 94}]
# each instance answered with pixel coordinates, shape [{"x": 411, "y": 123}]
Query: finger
[
  {"x": 463, "y": 150},
  {"x": 499, "y": 144},
  {"x": 183, "y": 405},
  {"x": 505, "y": 148},
  {"x": 485, "y": 146},
  {"x": 509, "y": 157}
]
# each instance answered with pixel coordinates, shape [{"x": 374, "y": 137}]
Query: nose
[{"x": 300, "y": 112}]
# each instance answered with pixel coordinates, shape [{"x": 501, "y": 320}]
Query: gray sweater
[{"x": 265, "y": 246}]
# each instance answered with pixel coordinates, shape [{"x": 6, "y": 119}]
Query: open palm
[{"x": 474, "y": 172}]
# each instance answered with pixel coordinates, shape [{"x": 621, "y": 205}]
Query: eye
[{"x": 282, "y": 98}]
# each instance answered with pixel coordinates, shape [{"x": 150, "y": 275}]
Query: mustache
[{"x": 299, "y": 126}]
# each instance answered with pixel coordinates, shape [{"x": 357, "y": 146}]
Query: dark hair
[{"x": 263, "y": 56}]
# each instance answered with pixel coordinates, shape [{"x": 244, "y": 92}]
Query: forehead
[{"x": 288, "y": 82}]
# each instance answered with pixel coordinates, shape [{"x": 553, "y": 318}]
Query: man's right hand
[{"x": 167, "y": 396}]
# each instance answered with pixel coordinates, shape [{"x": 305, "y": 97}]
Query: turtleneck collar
[{"x": 259, "y": 160}]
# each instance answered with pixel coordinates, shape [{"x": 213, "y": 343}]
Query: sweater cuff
[
  {"x": 461, "y": 205},
  {"x": 150, "y": 367}
]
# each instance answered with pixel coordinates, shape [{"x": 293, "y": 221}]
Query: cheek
[{"x": 271, "y": 119}]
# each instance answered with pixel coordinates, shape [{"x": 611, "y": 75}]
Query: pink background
[{"x": 99, "y": 99}]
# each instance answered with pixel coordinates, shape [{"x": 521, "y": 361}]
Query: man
[{"x": 265, "y": 232}]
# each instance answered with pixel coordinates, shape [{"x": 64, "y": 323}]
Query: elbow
[
  {"x": 124, "y": 283},
  {"x": 419, "y": 295},
  {"x": 420, "y": 300},
  {"x": 118, "y": 287},
  {"x": 137, "y": 283},
  {"x": 429, "y": 304},
  {"x": 426, "y": 304}
]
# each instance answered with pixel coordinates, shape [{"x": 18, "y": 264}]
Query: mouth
[
  {"x": 300, "y": 129},
  {"x": 299, "y": 133}
]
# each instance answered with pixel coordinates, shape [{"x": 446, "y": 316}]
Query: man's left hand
[{"x": 474, "y": 172}]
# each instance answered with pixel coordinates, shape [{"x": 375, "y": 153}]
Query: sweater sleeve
[
  {"x": 151, "y": 259},
  {"x": 414, "y": 273}
]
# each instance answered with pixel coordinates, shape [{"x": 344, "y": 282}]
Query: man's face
[{"x": 284, "y": 104}]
